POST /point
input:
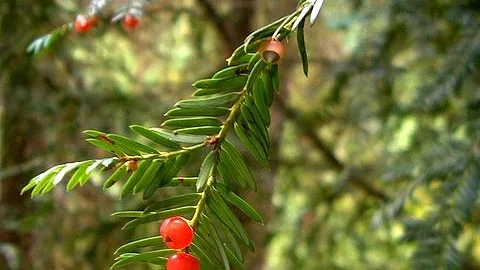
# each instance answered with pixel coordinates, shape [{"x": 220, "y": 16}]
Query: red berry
[
  {"x": 176, "y": 233},
  {"x": 92, "y": 21},
  {"x": 84, "y": 24},
  {"x": 272, "y": 51},
  {"x": 182, "y": 261},
  {"x": 130, "y": 21}
]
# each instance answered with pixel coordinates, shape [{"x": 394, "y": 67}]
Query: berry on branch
[
  {"x": 176, "y": 232},
  {"x": 272, "y": 51},
  {"x": 182, "y": 261},
  {"x": 84, "y": 24},
  {"x": 130, "y": 21}
]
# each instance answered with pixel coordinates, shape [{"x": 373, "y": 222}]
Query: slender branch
[
  {"x": 356, "y": 179},
  {"x": 219, "y": 23},
  {"x": 308, "y": 131},
  {"x": 217, "y": 141},
  {"x": 165, "y": 155}
]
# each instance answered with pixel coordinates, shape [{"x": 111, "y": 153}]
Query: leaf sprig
[{"x": 239, "y": 97}]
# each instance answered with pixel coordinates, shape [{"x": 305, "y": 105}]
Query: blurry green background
[{"x": 375, "y": 156}]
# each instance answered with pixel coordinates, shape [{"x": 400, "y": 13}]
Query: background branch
[{"x": 355, "y": 177}]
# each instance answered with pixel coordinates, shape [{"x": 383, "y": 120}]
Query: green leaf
[
  {"x": 135, "y": 177},
  {"x": 181, "y": 138},
  {"x": 36, "y": 46},
  {"x": 192, "y": 122},
  {"x": 39, "y": 179},
  {"x": 268, "y": 90},
  {"x": 254, "y": 60},
  {"x": 238, "y": 56},
  {"x": 223, "y": 213},
  {"x": 265, "y": 31},
  {"x": 252, "y": 144},
  {"x": 253, "y": 47},
  {"x": 128, "y": 214},
  {"x": 256, "y": 71},
  {"x": 257, "y": 134},
  {"x": 203, "y": 240},
  {"x": 158, "y": 256},
  {"x": 301, "y": 17},
  {"x": 317, "y": 6},
  {"x": 160, "y": 176},
  {"x": 156, "y": 137},
  {"x": 207, "y": 92},
  {"x": 171, "y": 167},
  {"x": 33, "y": 182},
  {"x": 219, "y": 100},
  {"x": 240, "y": 204},
  {"x": 234, "y": 260},
  {"x": 259, "y": 97},
  {"x": 115, "y": 176},
  {"x": 206, "y": 262},
  {"x": 60, "y": 175},
  {"x": 181, "y": 181},
  {"x": 220, "y": 85},
  {"x": 128, "y": 143},
  {"x": 148, "y": 176},
  {"x": 107, "y": 163},
  {"x": 45, "y": 179},
  {"x": 244, "y": 54},
  {"x": 156, "y": 216},
  {"x": 301, "y": 46},
  {"x": 179, "y": 162},
  {"x": 219, "y": 244},
  {"x": 220, "y": 111},
  {"x": 205, "y": 170},
  {"x": 247, "y": 120},
  {"x": 232, "y": 71},
  {"x": 231, "y": 243},
  {"x": 94, "y": 133},
  {"x": 229, "y": 154},
  {"x": 207, "y": 130},
  {"x": 275, "y": 75},
  {"x": 125, "y": 255},
  {"x": 175, "y": 201},
  {"x": 94, "y": 166},
  {"x": 226, "y": 174},
  {"x": 48, "y": 40},
  {"x": 105, "y": 145},
  {"x": 80, "y": 175},
  {"x": 42, "y": 43},
  {"x": 259, "y": 119},
  {"x": 50, "y": 178},
  {"x": 141, "y": 243}
]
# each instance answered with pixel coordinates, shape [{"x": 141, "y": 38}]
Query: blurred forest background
[{"x": 375, "y": 156}]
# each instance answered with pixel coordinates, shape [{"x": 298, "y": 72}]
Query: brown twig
[{"x": 219, "y": 23}]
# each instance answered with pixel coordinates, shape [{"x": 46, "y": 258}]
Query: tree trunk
[{"x": 21, "y": 138}]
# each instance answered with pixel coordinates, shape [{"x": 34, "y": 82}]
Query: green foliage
[
  {"x": 413, "y": 81},
  {"x": 238, "y": 96},
  {"x": 49, "y": 40},
  {"x": 394, "y": 120}
]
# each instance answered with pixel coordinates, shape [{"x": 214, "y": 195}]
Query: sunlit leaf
[{"x": 157, "y": 137}]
